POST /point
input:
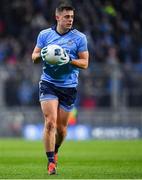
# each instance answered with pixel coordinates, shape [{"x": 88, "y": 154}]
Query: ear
[{"x": 57, "y": 17}]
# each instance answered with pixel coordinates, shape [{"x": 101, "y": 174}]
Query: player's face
[{"x": 65, "y": 19}]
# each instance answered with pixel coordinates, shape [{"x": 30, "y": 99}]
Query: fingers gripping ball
[{"x": 54, "y": 55}]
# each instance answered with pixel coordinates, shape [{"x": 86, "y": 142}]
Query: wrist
[{"x": 70, "y": 60}]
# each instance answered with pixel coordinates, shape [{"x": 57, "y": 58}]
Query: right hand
[{"x": 43, "y": 53}]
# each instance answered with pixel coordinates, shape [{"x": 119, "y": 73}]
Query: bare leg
[
  {"x": 49, "y": 109},
  {"x": 62, "y": 122}
]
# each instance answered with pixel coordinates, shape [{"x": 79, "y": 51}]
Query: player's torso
[
  {"x": 67, "y": 41},
  {"x": 66, "y": 75}
]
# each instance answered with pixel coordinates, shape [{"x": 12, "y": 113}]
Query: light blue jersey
[{"x": 73, "y": 42}]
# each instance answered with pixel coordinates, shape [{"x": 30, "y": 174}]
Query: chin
[{"x": 69, "y": 27}]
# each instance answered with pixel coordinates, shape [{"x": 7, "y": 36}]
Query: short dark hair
[{"x": 64, "y": 6}]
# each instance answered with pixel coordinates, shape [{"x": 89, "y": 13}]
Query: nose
[{"x": 70, "y": 20}]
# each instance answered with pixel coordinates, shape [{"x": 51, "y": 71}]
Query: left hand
[{"x": 64, "y": 59}]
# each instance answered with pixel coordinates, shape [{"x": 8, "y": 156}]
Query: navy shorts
[{"x": 65, "y": 96}]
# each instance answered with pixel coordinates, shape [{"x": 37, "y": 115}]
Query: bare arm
[
  {"x": 36, "y": 58},
  {"x": 82, "y": 62}
]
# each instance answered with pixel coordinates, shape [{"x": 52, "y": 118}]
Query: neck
[{"x": 61, "y": 31}]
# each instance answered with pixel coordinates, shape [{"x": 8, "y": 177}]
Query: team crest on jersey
[{"x": 70, "y": 42}]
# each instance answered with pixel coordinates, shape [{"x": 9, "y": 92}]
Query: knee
[
  {"x": 50, "y": 124},
  {"x": 62, "y": 130}
]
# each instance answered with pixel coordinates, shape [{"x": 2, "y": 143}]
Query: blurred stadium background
[{"x": 109, "y": 103}]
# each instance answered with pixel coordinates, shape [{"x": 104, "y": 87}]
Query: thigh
[
  {"x": 67, "y": 97},
  {"x": 62, "y": 118},
  {"x": 49, "y": 109},
  {"x": 47, "y": 91}
]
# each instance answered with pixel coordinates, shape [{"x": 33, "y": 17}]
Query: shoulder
[
  {"x": 78, "y": 33},
  {"x": 45, "y": 31},
  {"x": 79, "y": 37}
]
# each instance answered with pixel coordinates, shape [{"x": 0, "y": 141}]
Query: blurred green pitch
[{"x": 105, "y": 159}]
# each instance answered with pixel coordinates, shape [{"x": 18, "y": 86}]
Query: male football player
[{"x": 57, "y": 87}]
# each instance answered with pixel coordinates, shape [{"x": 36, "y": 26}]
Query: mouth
[{"x": 69, "y": 24}]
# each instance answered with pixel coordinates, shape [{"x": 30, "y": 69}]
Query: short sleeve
[
  {"x": 82, "y": 44},
  {"x": 40, "y": 42}
]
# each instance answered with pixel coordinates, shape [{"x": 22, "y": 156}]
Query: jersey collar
[{"x": 54, "y": 27}]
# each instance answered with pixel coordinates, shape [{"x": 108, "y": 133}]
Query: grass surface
[{"x": 20, "y": 159}]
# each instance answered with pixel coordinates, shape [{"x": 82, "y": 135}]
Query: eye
[{"x": 69, "y": 16}]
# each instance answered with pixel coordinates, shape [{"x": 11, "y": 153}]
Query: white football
[{"x": 54, "y": 52}]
